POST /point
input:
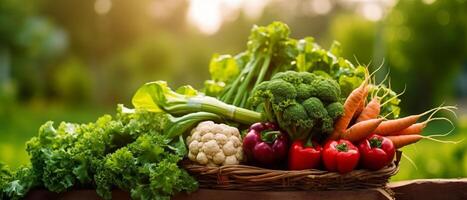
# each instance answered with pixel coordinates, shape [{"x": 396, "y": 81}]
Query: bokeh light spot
[
  {"x": 372, "y": 12},
  {"x": 102, "y": 7},
  {"x": 321, "y": 7}
]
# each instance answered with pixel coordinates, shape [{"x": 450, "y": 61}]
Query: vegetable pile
[{"x": 298, "y": 106}]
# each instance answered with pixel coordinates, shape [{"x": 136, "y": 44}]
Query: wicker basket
[{"x": 243, "y": 177}]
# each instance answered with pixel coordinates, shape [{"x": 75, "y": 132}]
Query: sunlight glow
[
  {"x": 205, "y": 15},
  {"x": 372, "y": 12},
  {"x": 428, "y": 1},
  {"x": 321, "y": 7},
  {"x": 102, "y": 7},
  {"x": 208, "y": 15}
]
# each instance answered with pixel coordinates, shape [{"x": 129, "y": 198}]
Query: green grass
[{"x": 21, "y": 123}]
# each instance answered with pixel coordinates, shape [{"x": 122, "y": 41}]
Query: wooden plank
[
  {"x": 205, "y": 194},
  {"x": 41, "y": 194},
  {"x": 425, "y": 189}
]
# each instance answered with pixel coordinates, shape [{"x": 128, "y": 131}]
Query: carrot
[
  {"x": 361, "y": 105},
  {"x": 371, "y": 111},
  {"x": 361, "y": 130},
  {"x": 404, "y": 140},
  {"x": 389, "y": 127},
  {"x": 350, "y": 106},
  {"x": 359, "y": 110},
  {"x": 416, "y": 128}
]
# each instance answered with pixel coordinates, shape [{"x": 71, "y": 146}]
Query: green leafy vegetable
[
  {"x": 147, "y": 167},
  {"x": 136, "y": 151}
]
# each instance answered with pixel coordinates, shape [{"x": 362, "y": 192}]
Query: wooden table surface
[{"x": 414, "y": 189}]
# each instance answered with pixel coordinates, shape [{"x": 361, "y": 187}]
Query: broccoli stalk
[{"x": 158, "y": 97}]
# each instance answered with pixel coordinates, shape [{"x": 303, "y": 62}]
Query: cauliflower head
[{"x": 214, "y": 144}]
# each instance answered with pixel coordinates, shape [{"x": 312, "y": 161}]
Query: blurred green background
[{"x": 75, "y": 60}]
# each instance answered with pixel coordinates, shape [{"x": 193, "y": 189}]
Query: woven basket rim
[
  {"x": 227, "y": 169},
  {"x": 245, "y": 177}
]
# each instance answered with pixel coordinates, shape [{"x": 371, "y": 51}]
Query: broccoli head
[
  {"x": 288, "y": 76},
  {"x": 296, "y": 121},
  {"x": 302, "y": 103},
  {"x": 315, "y": 108},
  {"x": 335, "y": 110},
  {"x": 304, "y": 92},
  {"x": 283, "y": 93},
  {"x": 326, "y": 89}
]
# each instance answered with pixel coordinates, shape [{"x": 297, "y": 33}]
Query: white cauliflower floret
[
  {"x": 219, "y": 158},
  {"x": 229, "y": 148},
  {"x": 230, "y": 160},
  {"x": 200, "y": 145},
  {"x": 195, "y": 136},
  {"x": 221, "y": 138},
  {"x": 213, "y": 144},
  {"x": 194, "y": 148},
  {"x": 188, "y": 139},
  {"x": 216, "y": 129},
  {"x": 207, "y": 137},
  {"x": 211, "y": 147},
  {"x": 236, "y": 142},
  {"x": 239, "y": 153},
  {"x": 191, "y": 156},
  {"x": 201, "y": 158},
  {"x": 234, "y": 131}
]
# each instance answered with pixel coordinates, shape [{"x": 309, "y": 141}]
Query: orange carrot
[
  {"x": 416, "y": 128},
  {"x": 361, "y": 130},
  {"x": 404, "y": 140},
  {"x": 350, "y": 106},
  {"x": 389, "y": 127},
  {"x": 394, "y": 125},
  {"x": 359, "y": 110},
  {"x": 362, "y": 104},
  {"x": 371, "y": 111}
]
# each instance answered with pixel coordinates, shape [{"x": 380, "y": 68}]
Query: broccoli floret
[
  {"x": 326, "y": 89},
  {"x": 303, "y": 92},
  {"x": 295, "y": 113},
  {"x": 296, "y": 117},
  {"x": 260, "y": 94},
  {"x": 335, "y": 110},
  {"x": 307, "y": 77},
  {"x": 327, "y": 125},
  {"x": 289, "y": 76},
  {"x": 283, "y": 93},
  {"x": 315, "y": 108}
]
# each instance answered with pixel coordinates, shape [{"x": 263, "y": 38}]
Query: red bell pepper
[
  {"x": 340, "y": 156},
  {"x": 304, "y": 156},
  {"x": 376, "y": 151}
]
